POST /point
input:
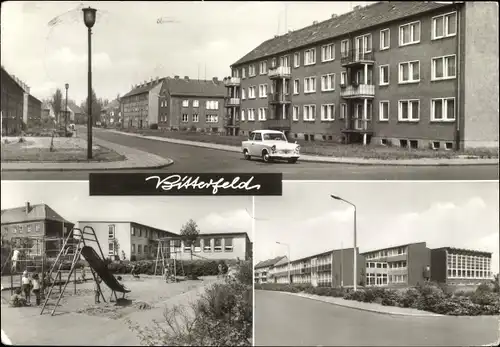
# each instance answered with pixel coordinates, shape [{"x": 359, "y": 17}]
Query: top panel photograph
[{"x": 313, "y": 90}]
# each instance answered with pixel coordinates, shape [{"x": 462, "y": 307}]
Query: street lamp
[
  {"x": 66, "y": 111},
  {"x": 289, "y": 260},
  {"x": 89, "y": 15},
  {"x": 355, "y": 262}
]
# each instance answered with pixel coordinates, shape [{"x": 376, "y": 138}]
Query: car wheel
[
  {"x": 292, "y": 161},
  {"x": 246, "y": 155},
  {"x": 265, "y": 156}
]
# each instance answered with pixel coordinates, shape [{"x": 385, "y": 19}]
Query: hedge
[{"x": 429, "y": 297}]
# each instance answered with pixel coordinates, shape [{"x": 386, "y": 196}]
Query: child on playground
[
  {"x": 36, "y": 288},
  {"x": 26, "y": 286},
  {"x": 97, "y": 292}
]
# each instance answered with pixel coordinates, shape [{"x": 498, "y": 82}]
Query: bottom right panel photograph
[{"x": 380, "y": 263}]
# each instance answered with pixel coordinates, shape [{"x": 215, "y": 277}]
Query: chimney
[
  {"x": 215, "y": 79},
  {"x": 157, "y": 78},
  {"x": 28, "y": 207},
  {"x": 275, "y": 36},
  {"x": 357, "y": 7},
  {"x": 186, "y": 78},
  {"x": 176, "y": 77},
  {"x": 334, "y": 15},
  {"x": 315, "y": 22}
]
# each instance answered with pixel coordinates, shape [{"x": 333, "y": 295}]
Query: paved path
[
  {"x": 190, "y": 159},
  {"x": 135, "y": 159},
  {"x": 288, "y": 320}
]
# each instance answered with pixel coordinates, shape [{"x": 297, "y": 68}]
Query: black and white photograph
[
  {"x": 424, "y": 255},
  {"x": 387, "y": 90},
  {"x": 109, "y": 271}
]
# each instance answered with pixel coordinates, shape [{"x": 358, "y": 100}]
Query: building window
[
  {"x": 185, "y": 103},
  {"x": 187, "y": 249},
  {"x": 196, "y": 103},
  {"x": 328, "y": 112},
  {"x": 285, "y": 61},
  {"x": 28, "y": 228},
  {"x": 251, "y": 92},
  {"x": 185, "y": 118},
  {"x": 444, "y": 26},
  {"x": 111, "y": 250},
  {"x": 443, "y": 67},
  {"x": 243, "y": 73},
  {"x": 251, "y": 70},
  {"x": 263, "y": 91},
  {"x": 384, "y": 75},
  {"x": 409, "y": 110},
  {"x": 196, "y": 118},
  {"x": 310, "y": 85},
  {"x": 242, "y": 114},
  {"x": 343, "y": 78},
  {"x": 328, "y": 52},
  {"x": 262, "y": 113},
  {"x": 295, "y": 113},
  {"x": 409, "y": 72},
  {"x": 296, "y": 87},
  {"x": 328, "y": 82},
  {"x": 228, "y": 245},
  {"x": 383, "y": 111},
  {"x": 111, "y": 231},
  {"x": 343, "y": 111},
  {"x": 132, "y": 230},
  {"x": 133, "y": 248},
  {"x": 344, "y": 48},
  {"x": 197, "y": 246},
  {"x": 212, "y": 105},
  {"x": 310, "y": 56},
  {"x": 443, "y": 110},
  {"x": 263, "y": 67},
  {"x": 296, "y": 59},
  {"x": 251, "y": 114},
  {"x": 20, "y": 229},
  {"x": 211, "y": 118},
  {"x": 409, "y": 34},
  {"x": 139, "y": 249},
  {"x": 385, "y": 39},
  {"x": 207, "y": 247},
  {"x": 217, "y": 245},
  {"x": 309, "y": 113}
]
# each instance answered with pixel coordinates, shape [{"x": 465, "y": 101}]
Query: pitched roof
[
  {"x": 360, "y": 19},
  {"x": 194, "y": 87},
  {"x": 75, "y": 108},
  {"x": 143, "y": 88},
  {"x": 269, "y": 262},
  {"x": 36, "y": 212}
]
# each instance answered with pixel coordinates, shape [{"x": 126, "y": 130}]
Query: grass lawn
[
  {"x": 335, "y": 149},
  {"x": 37, "y": 149}
]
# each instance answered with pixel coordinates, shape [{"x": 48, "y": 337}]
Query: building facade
[
  {"x": 111, "y": 114},
  {"x": 34, "y": 112},
  {"x": 140, "y": 106},
  {"x": 391, "y": 74},
  {"x": 12, "y": 104},
  {"x": 131, "y": 240},
  {"x": 261, "y": 269}
]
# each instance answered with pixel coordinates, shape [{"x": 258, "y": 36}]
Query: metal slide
[{"x": 100, "y": 267}]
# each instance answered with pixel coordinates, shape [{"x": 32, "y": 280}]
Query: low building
[
  {"x": 261, "y": 269},
  {"x": 131, "y": 240},
  {"x": 34, "y": 115}
]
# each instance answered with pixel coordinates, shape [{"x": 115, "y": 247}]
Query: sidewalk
[
  {"x": 135, "y": 159},
  {"x": 333, "y": 160},
  {"x": 366, "y": 306}
]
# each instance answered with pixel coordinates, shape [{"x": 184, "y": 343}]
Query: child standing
[
  {"x": 97, "y": 291},
  {"x": 26, "y": 286},
  {"x": 36, "y": 288}
]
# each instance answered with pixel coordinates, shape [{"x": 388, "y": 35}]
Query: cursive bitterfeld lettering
[{"x": 187, "y": 182}]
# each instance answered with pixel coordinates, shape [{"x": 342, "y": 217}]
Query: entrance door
[
  {"x": 314, "y": 272},
  {"x": 358, "y": 117}
]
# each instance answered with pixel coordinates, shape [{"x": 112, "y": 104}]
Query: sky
[
  {"x": 197, "y": 39},
  {"x": 72, "y": 201},
  {"x": 391, "y": 213}
]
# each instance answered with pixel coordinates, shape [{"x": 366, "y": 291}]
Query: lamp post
[
  {"x": 89, "y": 16},
  {"x": 355, "y": 260},
  {"x": 289, "y": 260},
  {"x": 66, "y": 112}
]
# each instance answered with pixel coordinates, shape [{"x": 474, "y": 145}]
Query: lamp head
[
  {"x": 89, "y": 15},
  {"x": 66, "y": 86},
  {"x": 336, "y": 197}
]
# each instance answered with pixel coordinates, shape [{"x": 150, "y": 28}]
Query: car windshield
[{"x": 274, "y": 137}]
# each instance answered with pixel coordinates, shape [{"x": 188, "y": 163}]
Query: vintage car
[{"x": 270, "y": 145}]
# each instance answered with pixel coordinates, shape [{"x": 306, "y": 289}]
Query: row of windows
[
  {"x": 21, "y": 228},
  {"x": 453, "y": 273},
  {"x": 209, "y": 104},
  {"x": 387, "y": 253},
  {"x": 409, "y": 34},
  {"x": 195, "y": 118},
  {"x": 218, "y": 245}
]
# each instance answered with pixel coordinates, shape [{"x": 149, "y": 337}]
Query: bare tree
[{"x": 56, "y": 103}]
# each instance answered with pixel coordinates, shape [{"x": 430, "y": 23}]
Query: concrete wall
[
  {"x": 480, "y": 94},
  {"x": 419, "y": 256},
  {"x": 438, "y": 265}
]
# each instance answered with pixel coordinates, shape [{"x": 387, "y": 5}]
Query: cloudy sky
[
  {"x": 455, "y": 214},
  {"x": 72, "y": 201},
  {"x": 129, "y": 46}
]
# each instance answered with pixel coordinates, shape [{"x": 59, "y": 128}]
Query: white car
[{"x": 270, "y": 145}]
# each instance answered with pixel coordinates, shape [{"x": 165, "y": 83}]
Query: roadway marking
[{"x": 5, "y": 339}]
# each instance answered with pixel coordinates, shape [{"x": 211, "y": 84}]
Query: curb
[
  {"x": 359, "y": 308},
  {"x": 326, "y": 160}
]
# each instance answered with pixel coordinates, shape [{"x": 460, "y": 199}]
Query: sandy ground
[{"x": 67, "y": 143}]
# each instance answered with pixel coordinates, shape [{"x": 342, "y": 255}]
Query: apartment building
[
  {"x": 408, "y": 74},
  {"x": 34, "y": 112},
  {"x": 131, "y": 240},
  {"x": 176, "y": 104},
  {"x": 261, "y": 269},
  {"x": 111, "y": 113}
]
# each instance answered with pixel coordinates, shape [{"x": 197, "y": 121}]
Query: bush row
[{"x": 428, "y": 297}]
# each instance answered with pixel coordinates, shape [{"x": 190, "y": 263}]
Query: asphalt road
[
  {"x": 190, "y": 159},
  {"x": 286, "y": 320}
]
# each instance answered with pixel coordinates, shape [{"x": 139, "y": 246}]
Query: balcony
[
  {"x": 232, "y": 81},
  {"x": 277, "y": 124},
  {"x": 355, "y": 57},
  {"x": 231, "y": 102},
  {"x": 280, "y": 72},
  {"x": 278, "y": 98},
  {"x": 358, "y": 91}
]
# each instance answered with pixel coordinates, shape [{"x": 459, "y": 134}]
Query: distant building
[
  {"x": 262, "y": 269},
  {"x": 12, "y": 105},
  {"x": 34, "y": 116},
  {"x": 111, "y": 113}
]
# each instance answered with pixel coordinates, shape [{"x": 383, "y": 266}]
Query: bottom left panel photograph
[{"x": 127, "y": 270}]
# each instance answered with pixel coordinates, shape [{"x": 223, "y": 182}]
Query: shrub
[
  {"x": 153, "y": 126},
  {"x": 245, "y": 273},
  {"x": 358, "y": 295},
  {"x": 410, "y": 298}
]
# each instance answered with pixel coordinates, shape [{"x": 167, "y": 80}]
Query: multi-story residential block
[
  {"x": 409, "y": 74},
  {"x": 12, "y": 104},
  {"x": 261, "y": 269},
  {"x": 176, "y": 104},
  {"x": 460, "y": 266},
  {"x": 131, "y": 240},
  {"x": 34, "y": 115},
  {"x": 36, "y": 222}
]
